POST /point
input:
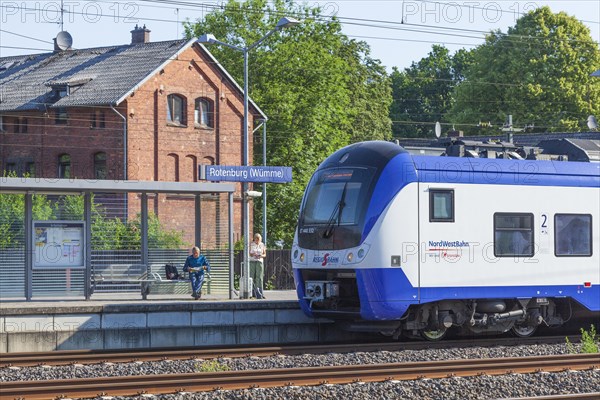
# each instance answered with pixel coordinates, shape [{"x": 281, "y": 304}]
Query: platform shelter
[{"x": 73, "y": 238}]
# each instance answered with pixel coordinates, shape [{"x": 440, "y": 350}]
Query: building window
[
  {"x": 64, "y": 166},
  {"x": 61, "y": 91},
  {"x": 20, "y": 125},
  {"x": 98, "y": 120},
  {"x": 11, "y": 169},
  {"x": 441, "y": 205},
  {"x": 204, "y": 113},
  {"x": 100, "y": 165},
  {"x": 513, "y": 235},
  {"x": 176, "y": 109},
  {"x": 30, "y": 169},
  {"x": 573, "y": 235},
  {"x": 60, "y": 116}
]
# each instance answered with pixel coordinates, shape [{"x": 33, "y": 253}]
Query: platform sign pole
[
  {"x": 231, "y": 270},
  {"x": 87, "y": 216},
  {"x": 29, "y": 246},
  {"x": 144, "y": 229}
]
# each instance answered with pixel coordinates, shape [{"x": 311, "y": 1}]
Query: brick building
[{"x": 143, "y": 111}]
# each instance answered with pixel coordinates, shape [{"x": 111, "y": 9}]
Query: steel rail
[
  {"x": 575, "y": 396},
  {"x": 230, "y": 380},
  {"x": 90, "y": 356}
]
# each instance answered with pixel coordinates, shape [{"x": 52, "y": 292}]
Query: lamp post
[{"x": 283, "y": 23}]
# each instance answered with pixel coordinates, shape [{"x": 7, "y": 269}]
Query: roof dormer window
[
  {"x": 62, "y": 91},
  {"x": 66, "y": 87}
]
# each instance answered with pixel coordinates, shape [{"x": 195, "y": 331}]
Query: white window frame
[
  {"x": 204, "y": 113},
  {"x": 173, "y": 110}
]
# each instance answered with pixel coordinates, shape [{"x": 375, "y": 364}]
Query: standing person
[
  {"x": 197, "y": 265},
  {"x": 258, "y": 251}
]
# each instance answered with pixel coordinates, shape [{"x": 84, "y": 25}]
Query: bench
[
  {"x": 156, "y": 284},
  {"x": 114, "y": 278},
  {"x": 118, "y": 277}
]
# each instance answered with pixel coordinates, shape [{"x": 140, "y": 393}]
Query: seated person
[{"x": 196, "y": 265}]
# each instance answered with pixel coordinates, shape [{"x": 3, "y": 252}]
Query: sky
[{"x": 398, "y": 32}]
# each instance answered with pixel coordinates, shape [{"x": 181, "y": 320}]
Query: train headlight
[
  {"x": 353, "y": 256},
  {"x": 298, "y": 255}
]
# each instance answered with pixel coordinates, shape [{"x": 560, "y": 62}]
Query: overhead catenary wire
[
  {"x": 427, "y": 29},
  {"x": 167, "y": 2}
]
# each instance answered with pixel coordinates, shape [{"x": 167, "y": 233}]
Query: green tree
[
  {"x": 320, "y": 89},
  {"x": 159, "y": 237},
  {"x": 107, "y": 233},
  {"x": 12, "y": 217},
  {"x": 423, "y": 92},
  {"x": 539, "y": 72}
]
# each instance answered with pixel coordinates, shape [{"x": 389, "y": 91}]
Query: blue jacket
[{"x": 198, "y": 263}]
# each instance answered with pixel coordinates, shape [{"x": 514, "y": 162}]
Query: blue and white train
[{"x": 391, "y": 242}]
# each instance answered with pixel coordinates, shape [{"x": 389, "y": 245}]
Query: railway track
[
  {"x": 95, "y": 357},
  {"x": 231, "y": 380}
]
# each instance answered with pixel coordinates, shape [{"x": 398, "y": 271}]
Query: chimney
[{"x": 140, "y": 35}]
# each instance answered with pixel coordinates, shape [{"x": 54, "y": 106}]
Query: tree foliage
[
  {"x": 12, "y": 216},
  {"x": 107, "y": 233},
  {"x": 320, "y": 90},
  {"x": 539, "y": 72},
  {"x": 423, "y": 92}
]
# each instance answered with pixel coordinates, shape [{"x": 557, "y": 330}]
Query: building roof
[
  {"x": 96, "y": 76},
  {"x": 575, "y": 149}
]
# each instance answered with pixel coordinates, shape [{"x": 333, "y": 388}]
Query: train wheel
[
  {"x": 434, "y": 335},
  {"x": 523, "y": 330}
]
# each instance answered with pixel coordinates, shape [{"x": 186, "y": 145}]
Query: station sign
[{"x": 252, "y": 173}]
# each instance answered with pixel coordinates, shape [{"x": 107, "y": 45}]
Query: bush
[
  {"x": 107, "y": 233},
  {"x": 589, "y": 342},
  {"x": 211, "y": 366}
]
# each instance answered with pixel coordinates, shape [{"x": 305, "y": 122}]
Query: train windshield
[{"x": 334, "y": 208}]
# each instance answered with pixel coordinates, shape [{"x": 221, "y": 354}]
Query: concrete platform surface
[{"x": 132, "y": 299}]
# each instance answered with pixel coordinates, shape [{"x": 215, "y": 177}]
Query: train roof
[
  {"x": 504, "y": 171},
  {"x": 448, "y": 169}
]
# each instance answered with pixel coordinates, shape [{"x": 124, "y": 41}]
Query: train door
[
  {"x": 438, "y": 233},
  {"x": 396, "y": 244}
]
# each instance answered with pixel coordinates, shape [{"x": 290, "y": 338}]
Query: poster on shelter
[{"x": 58, "y": 244}]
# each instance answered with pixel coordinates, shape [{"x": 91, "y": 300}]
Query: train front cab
[{"x": 351, "y": 274}]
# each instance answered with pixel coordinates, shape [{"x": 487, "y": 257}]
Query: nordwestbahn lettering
[{"x": 245, "y": 174}]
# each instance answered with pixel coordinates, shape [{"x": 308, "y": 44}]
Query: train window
[
  {"x": 573, "y": 235},
  {"x": 336, "y": 196},
  {"x": 441, "y": 205},
  {"x": 513, "y": 235}
]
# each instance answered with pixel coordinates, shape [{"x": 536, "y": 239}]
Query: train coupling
[{"x": 321, "y": 290}]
